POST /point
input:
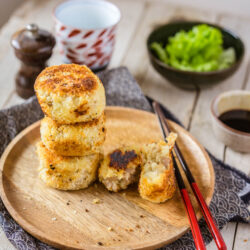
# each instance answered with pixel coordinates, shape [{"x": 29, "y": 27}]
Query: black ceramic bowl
[{"x": 189, "y": 79}]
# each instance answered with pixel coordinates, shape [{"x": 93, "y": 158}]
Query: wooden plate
[{"x": 69, "y": 219}]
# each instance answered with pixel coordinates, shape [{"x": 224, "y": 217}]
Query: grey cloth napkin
[{"x": 231, "y": 186}]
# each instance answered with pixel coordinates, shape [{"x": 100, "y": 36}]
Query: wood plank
[
  {"x": 227, "y": 233},
  {"x": 238, "y": 160},
  {"x": 13, "y": 99},
  {"x": 236, "y": 8},
  {"x": 7, "y": 81},
  {"x": 132, "y": 12},
  {"x": 161, "y": 90},
  {"x": 242, "y": 239},
  {"x": 4, "y": 242},
  {"x": 136, "y": 58},
  {"x": 247, "y": 87}
]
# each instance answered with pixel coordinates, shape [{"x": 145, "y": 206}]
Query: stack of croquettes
[{"x": 72, "y": 132}]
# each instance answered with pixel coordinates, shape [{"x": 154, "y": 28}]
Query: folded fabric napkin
[{"x": 230, "y": 198}]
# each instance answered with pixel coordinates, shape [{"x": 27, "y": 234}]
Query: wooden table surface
[{"x": 191, "y": 107}]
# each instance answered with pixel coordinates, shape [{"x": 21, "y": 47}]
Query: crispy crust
[
  {"x": 120, "y": 159},
  {"x": 73, "y": 140},
  {"x": 120, "y": 168},
  {"x": 71, "y": 79},
  {"x": 66, "y": 173},
  {"x": 157, "y": 180},
  {"x": 161, "y": 191},
  {"x": 70, "y": 93}
]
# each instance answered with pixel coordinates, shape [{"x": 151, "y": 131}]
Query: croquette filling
[{"x": 156, "y": 161}]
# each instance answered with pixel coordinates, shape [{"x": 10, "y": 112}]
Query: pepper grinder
[{"x": 33, "y": 47}]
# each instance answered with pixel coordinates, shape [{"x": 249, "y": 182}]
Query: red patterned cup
[{"x": 85, "y": 31}]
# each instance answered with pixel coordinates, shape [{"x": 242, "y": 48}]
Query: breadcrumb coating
[
  {"x": 66, "y": 173},
  {"x": 73, "y": 140},
  {"x": 70, "y": 93}
]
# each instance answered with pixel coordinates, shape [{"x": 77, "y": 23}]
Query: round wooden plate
[{"x": 70, "y": 219}]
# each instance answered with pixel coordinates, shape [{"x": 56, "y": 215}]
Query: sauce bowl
[{"x": 231, "y": 100}]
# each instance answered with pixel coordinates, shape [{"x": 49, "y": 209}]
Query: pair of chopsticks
[{"x": 198, "y": 240}]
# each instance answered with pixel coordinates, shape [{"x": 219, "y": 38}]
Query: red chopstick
[
  {"x": 195, "y": 229},
  {"x": 205, "y": 210}
]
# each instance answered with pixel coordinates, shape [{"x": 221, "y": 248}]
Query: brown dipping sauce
[{"x": 238, "y": 119}]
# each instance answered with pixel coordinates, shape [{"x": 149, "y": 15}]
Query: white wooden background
[{"x": 139, "y": 17}]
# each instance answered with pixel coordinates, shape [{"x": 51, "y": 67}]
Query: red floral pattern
[
  {"x": 74, "y": 33},
  {"x": 90, "y": 47}
]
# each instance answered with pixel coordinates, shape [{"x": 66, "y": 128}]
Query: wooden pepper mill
[{"x": 33, "y": 47}]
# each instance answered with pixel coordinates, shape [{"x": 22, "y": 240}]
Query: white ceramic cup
[
  {"x": 85, "y": 31},
  {"x": 230, "y": 100}
]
